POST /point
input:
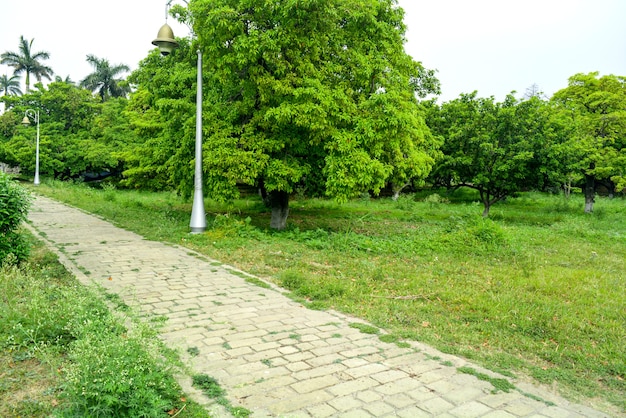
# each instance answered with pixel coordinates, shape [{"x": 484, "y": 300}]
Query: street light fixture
[
  {"x": 166, "y": 43},
  {"x": 26, "y": 122}
]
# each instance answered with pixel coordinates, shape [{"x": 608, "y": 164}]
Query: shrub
[
  {"x": 119, "y": 375},
  {"x": 14, "y": 205}
]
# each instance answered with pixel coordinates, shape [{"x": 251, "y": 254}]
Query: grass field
[{"x": 538, "y": 290}]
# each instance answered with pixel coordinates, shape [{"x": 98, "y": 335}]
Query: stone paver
[{"x": 272, "y": 355}]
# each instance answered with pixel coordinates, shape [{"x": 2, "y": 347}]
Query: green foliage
[
  {"x": 596, "y": 148},
  {"x": 78, "y": 135},
  {"x": 297, "y": 97},
  {"x": 114, "y": 373},
  {"x": 14, "y": 206},
  {"x": 103, "y": 82},
  {"x": 27, "y": 61},
  {"x": 10, "y": 85},
  {"x": 162, "y": 116},
  {"x": 311, "y": 288},
  {"x": 495, "y": 148}
]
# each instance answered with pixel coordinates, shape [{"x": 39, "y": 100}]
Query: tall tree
[
  {"x": 10, "y": 86},
  {"x": 103, "y": 80},
  {"x": 596, "y": 107},
  {"x": 317, "y": 94},
  {"x": 28, "y": 62}
]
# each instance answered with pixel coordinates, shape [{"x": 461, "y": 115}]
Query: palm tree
[
  {"x": 103, "y": 80},
  {"x": 67, "y": 80},
  {"x": 28, "y": 62},
  {"x": 10, "y": 86}
]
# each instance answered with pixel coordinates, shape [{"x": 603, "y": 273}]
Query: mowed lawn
[{"x": 538, "y": 289}]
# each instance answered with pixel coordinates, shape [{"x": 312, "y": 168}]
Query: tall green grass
[{"x": 538, "y": 289}]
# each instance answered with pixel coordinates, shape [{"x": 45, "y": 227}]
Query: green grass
[
  {"x": 538, "y": 289},
  {"x": 211, "y": 388},
  {"x": 68, "y": 350}
]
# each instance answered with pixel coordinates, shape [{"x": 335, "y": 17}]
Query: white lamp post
[
  {"x": 26, "y": 122},
  {"x": 166, "y": 43}
]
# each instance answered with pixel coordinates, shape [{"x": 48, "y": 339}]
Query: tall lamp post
[
  {"x": 26, "y": 122},
  {"x": 166, "y": 43}
]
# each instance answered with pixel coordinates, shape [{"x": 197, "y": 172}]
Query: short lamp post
[
  {"x": 26, "y": 122},
  {"x": 166, "y": 43}
]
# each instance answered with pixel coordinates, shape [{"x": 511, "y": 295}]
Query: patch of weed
[
  {"x": 211, "y": 388},
  {"x": 365, "y": 328},
  {"x": 499, "y": 384}
]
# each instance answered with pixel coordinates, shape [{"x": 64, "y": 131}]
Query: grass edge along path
[
  {"x": 535, "y": 290},
  {"x": 75, "y": 350}
]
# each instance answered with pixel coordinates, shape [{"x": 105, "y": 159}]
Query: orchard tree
[
  {"x": 596, "y": 108},
  {"x": 488, "y": 146},
  {"x": 316, "y": 94}
]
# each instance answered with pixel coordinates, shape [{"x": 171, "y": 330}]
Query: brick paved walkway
[{"x": 273, "y": 356}]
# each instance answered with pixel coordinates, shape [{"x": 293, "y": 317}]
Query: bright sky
[{"x": 493, "y": 46}]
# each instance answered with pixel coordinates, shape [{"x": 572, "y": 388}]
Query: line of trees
[
  {"x": 25, "y": 61},
  {"x": 318, "y": 97},
  {"x": 578, "y": 137}
]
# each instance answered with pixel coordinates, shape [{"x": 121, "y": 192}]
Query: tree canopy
[
  {"x": 498, "y": 149},
  {"x": 317, "y": 94},
  {"x": 595, "y": 107},
  {"x": 79, "y": 134},
  {"x": 103, "y": 80}
]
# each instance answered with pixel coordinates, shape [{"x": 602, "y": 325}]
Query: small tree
[{"x": 14, "y": 205}]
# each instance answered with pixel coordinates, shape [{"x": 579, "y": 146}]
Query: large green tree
[
  {"x": 28, "y": 62},
  {"x": 105, "y": 79},
  {"x": 596, "y": 108},
  {"x": 317, "y": 94}
]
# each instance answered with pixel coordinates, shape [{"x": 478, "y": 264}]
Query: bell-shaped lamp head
[
  {"x": 25, "y": 121},
  {"x": 165, "y": 40}
]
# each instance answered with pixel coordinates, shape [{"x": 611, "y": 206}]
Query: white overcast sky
[{"x": 492, "y": 46}]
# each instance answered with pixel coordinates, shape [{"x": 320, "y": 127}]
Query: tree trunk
[
  {"x": 590, "y": 193},
  {"x": 485, "y": 198},
  {"x": 567, "y": 189},
  {"x": 279, "y": 203},
  {"x": 397, "y": 189},
  {"x": 487, "y": 206}
]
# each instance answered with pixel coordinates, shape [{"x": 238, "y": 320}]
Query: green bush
[
  {"x": 119, "y": 375},
  {"x": 14, "y": 205}
]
